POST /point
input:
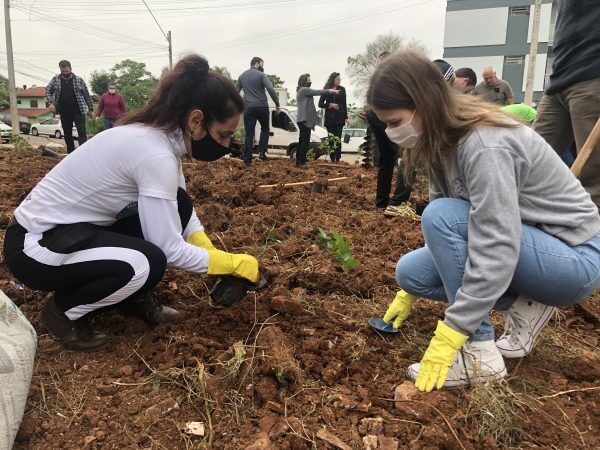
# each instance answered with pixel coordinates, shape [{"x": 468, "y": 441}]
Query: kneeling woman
[
  {"x": 509, "y": 226},
  {"x": 101, "y": 227}
]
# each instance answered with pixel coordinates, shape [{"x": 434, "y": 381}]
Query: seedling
[
  {"x": 21, "y": 146},
  {"x": 339, "y": 246},
  {"x": 326, "y": 147}
]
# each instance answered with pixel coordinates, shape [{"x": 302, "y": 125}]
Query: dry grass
[{"x": 493, "y": 412}]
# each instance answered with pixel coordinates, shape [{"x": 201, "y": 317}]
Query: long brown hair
[
  {"x": 303, "y": 81},
  {"x": 190, "y": 85},
  {"x": 409, "y": 80}
]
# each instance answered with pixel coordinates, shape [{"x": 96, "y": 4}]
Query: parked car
[
  {"x": 24, "y": 124},
  {"x": 50, "y": 127},
  {"x": 5, "y": 132},
  {"x": 352, "y": 139}
]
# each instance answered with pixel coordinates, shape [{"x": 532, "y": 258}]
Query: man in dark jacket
[
  {"x": 254, "y": 82},
  {"x": 570, "y": 106},
  {"x": 68, "y": 95}
]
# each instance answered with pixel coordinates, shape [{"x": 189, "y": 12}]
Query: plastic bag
[{"x": 18, "y": 342}]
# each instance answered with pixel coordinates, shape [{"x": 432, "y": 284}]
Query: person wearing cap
[
  {"x": 493, "y": 89},
  {"x": 509, "y": 227}
]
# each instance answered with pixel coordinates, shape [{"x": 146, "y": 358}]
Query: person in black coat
[{"x": 336, "y": 112}]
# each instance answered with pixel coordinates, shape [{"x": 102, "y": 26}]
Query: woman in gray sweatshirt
[
  {"x": 307, "y": 114},
  {"x": 509, "y": 227}
]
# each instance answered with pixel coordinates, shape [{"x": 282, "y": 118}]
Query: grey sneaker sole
[{"x": 482, "y": 378}]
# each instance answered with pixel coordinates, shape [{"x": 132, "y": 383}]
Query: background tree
[
  {"x": 360, "y": 67},
  {"x": 134, "y": 82},
  {"x": 4, "y": 100},
  {"x": 222, "y": 70},
  {"x": 275, "y": 81},
  {"x": 99, "y": 80}
]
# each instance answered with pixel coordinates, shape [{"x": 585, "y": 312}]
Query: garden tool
[{"x": 230, "y": 289}]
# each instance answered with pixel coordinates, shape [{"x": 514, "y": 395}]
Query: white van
[{"x": 284, "y": 132}]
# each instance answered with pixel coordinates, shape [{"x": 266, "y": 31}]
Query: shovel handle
[{"x": 586, "y": 150}]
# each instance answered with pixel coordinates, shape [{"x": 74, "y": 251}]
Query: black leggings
[
  {"x": 89, "y": 267},
  {"x": 303, "y": 143}
]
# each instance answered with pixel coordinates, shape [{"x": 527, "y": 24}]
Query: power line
[{"x": 150, "y": 11}]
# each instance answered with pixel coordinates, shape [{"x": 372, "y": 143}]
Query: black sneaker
[
  {"x": 149, "y": 308},
  {"x": 75, "y": 335},
  {"x": 263, "y": 156}
]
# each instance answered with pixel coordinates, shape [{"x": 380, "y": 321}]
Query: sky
[{"x": 292, "y": 36}]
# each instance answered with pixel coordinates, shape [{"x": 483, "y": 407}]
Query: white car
[
  {"x": 5, "y": 131},
  {"x": 352, "y": 138},
  {"x": 51, "y": 127}
]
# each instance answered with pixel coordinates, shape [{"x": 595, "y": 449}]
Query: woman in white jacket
[{"x": 101, "y": 227}]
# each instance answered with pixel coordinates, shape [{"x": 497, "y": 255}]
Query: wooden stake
[
  {"x": 298, "y": 183},
  {"x": 586, "y": 150}
]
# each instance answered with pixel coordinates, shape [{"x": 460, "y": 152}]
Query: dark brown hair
[
  {"x": 190, "y": 85},
  {"x": 302, "y": 81},
  {"x": 330, "y": 80},
  {"x": 409, "y": 80}
]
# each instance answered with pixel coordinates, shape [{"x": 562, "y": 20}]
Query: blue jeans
[
  {"x": 548, "y": 271},
  {"x": 251, "y": 115},
  {"x": 109, "y": 123}
]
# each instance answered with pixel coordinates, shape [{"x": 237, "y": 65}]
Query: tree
[
  {"x": 134, "y": 82},
  {"x": 361, "y": 66},
  {"x": 275, "y": 81},
  {"x": 99, "y": 82},
  {"x": 222, "y": 70},
  {"x": 4, "y": 97}
]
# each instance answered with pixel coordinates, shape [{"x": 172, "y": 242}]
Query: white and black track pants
[{"x": 87, "y": 266}]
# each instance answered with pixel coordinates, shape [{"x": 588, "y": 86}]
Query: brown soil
[{"x": 275, "y": 370}]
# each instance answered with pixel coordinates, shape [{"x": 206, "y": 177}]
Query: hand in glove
[
  {"x": 399, "y": 310},
  {"x": 200, "y": 239},
  {"x": 240, "y": 265},
  {"x": 438, "y": 357}
]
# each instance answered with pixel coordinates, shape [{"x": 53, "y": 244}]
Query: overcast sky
[{"x": 292, "y": 36}]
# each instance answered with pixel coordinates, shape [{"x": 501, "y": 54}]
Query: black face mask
[
  {"x": 309, "y": 84},
  {"x": 67, "y": 76},
  {"x": 207, "y": 149},
  {"x": 261, "y": 68}
]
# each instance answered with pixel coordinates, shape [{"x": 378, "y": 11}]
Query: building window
[
  {"x": 18, "y": 102},
  {"x": 519, "y": 10},
  {"x": 514, "y": 60},
  {"x": 33, "y": 103}
]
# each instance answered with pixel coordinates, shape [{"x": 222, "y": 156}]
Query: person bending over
[
  {"x": 509, "y": 227},
  {"x": 101, "y": 227}
]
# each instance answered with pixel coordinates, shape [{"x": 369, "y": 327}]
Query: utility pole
[
  {"x": 170, "y": 50},
  {"x": 533, "y": 53},
  {"x": 12, "y": 89}
]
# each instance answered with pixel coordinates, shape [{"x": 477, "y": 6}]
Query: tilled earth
[{"x": 295, "y": 365}]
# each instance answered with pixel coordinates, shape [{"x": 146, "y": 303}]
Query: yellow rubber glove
[
  {"x": 240, "y": 265},
  {"x": 399, "y": 310},
  {"x": 200, "y": 239},
  {"x": 438, "y": 357}
]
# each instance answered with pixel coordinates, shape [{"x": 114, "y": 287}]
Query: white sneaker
[
  {"x": 523, "y": 322},
  {"x": 476, "y": 362}
]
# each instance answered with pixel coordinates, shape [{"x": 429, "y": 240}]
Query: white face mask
[
  {"x": 112, "y": 91},
  {"x": 404, "y": 135}
]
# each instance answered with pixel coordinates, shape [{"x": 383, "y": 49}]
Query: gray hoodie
[{"x": 510, "y": 176}]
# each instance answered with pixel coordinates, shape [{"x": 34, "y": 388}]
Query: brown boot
[
  {"x": 149, "y": 308},
  {"x": 75, "y": 335}
]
